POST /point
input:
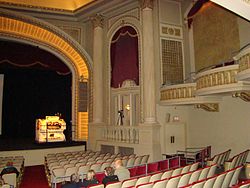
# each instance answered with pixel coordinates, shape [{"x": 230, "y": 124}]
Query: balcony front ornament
[
  {"x": 210, "y": 107},
  {"x": 245, "y": 96}
]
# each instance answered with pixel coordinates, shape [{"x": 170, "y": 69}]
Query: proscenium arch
[{"x": 36, "y": 32}]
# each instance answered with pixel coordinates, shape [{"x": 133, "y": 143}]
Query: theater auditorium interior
[{"x": 162, "y": 85}]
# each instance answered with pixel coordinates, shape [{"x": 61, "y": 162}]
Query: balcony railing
[
  {"x": 179, "y": 91},
  {"x": 121, "y": 134}
]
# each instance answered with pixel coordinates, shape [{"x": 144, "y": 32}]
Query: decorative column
[
  {"x": 95, "y": 130},
  {"x": 149, "y": 130},
  {"x": 97, "y": 69},
  {"x": 148, "y": 63}
]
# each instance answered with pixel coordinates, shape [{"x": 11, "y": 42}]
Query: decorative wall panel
[{"x": 216, "y": 36}]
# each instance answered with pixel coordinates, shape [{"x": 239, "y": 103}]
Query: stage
[{"x": 33, "y": 152}]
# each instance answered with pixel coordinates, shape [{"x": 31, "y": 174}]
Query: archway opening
[{"x": 36, "y": 84}]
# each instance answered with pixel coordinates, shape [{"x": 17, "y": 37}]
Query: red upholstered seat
[{"x": 99, "y": 176}]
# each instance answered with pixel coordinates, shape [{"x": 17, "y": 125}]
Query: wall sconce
[{"x": 127, "y": 107}]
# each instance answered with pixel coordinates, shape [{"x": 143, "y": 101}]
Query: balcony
[
  {"x": 243, "y": 59},
  {"x": 184, "y": 94}
]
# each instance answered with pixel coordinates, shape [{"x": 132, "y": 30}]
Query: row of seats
[
  {"x": 60, "y": 174},
  {"x": 237, "y": 160},
  {"x": 78, "y": 168},
  {"x": 219, "y": 159},
  {"x": 168, "y": 179},
  {"x": 67, "y": 166},
  {"x": 222, "y": 180},
  {"x": 144, "y": 177}
]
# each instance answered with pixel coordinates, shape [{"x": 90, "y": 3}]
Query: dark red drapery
[
  {"x": 124, "y": 56},
  {"x": 27, "y": 56}
]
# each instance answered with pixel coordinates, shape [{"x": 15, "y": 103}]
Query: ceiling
[{"x": 66, "y": 5}]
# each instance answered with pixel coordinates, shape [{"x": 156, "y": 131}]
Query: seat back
[
  {"x": 10, "y": 179},
  {"x": 96, "y": 167},
  {"x": 138, "y": 160},
  {"x": 114, "y": 185},
  {"x": 177, "y": 171},
  {"x": 146, "y": 185},
  {"x": 235, "y": 176},
  {"x": 57, "y": 175},
  {"x": 129, "y": 183},
  {"x": 131, "y": 162},
  {"x": 204, "y": 173},
  {"x": 125, "y": 161},
  {"x": 104, "y": 165},
  {"x": 173, "y": 182},
  {"x": 219, "y": 180},
  {"x": 144, "y": 159},
  {"x": 69, "y": 171},
  {"x": 142, "y": 180},
  {"x": 160, "y": 184},
  {"x": 194, "y": 167},
  {"x": 194, "y": 176},
  {"x": 199, "y": 184},
  {"x": 184, "y": 179},
  {"x": 211, "y": 171},
  {"x": 185, "y": 169},
  {"x": 167, "y": 174},
  {"x": 82, "y": 171},
  {"x": 227, "y": 179},
  {"x": 155, "y": 177},
  {"x": 210, "y": 182}
]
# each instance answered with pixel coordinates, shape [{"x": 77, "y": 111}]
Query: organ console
[{"x": 50, "y": 129}]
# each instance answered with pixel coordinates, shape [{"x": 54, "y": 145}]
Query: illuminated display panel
[{"x": 50, "y": 129}]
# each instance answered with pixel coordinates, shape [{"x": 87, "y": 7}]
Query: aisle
[{"x": 34, "y": 177}]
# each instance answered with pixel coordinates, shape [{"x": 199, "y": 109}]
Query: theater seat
[{"x": 10, "y": 179}]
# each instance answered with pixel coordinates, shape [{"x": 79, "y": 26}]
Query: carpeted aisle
[{"x": 34, "y": 177}]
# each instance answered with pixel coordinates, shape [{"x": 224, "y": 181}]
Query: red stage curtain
[
  {"x": 124, "y": 56},
  {"x": 27, "y": 56}
]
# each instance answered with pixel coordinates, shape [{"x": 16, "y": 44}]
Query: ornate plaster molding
[
  {"x": 98, "y": 20},
  {"x": 147, "y": 4},
  {"x": 210, "y": 107}
]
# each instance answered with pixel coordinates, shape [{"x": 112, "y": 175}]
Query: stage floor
[{"x": 7, "y": 144}]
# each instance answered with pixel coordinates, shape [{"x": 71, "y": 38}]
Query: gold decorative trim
[
  {"x": 244, "y": 62},
  {"x": 217, "y": 78},
  {"x": 245, "y": 96},
  {"x": 210, "y": 107},
  {"x": 35, "y": 7},
  {"x": 183, "y": 92}
]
